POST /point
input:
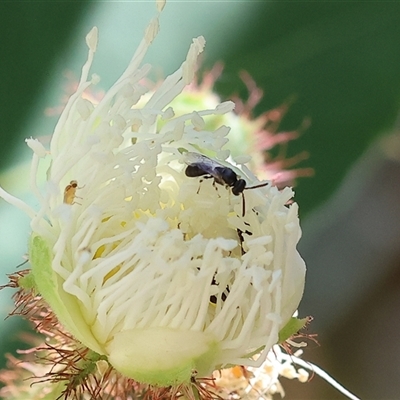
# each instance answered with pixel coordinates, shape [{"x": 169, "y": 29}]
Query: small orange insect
[{"x": 70, "y": 193}]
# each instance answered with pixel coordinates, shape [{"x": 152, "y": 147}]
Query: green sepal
[
  {"x": 49, "y": 285},
  {"x": 292, "y": 327},
  {"x": 163, "y": 356},
  {"x": 27, "y": 282}
]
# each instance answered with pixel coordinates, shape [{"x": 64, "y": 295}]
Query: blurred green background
[{"x": 342, "y": 62}]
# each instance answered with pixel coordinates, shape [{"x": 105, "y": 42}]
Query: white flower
[
  {"x": 259, "y": 383},
  {"x": 159, "y": 272}
]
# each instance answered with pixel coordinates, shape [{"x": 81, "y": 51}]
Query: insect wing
[
  {"x": 193, "y": 171},
  {"x": 198, "y": 162}
]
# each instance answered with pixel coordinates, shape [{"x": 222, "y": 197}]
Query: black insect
[{"x": 200, "y": 165}]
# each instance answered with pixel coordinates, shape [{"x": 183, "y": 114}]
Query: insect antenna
[
  {"x": 257, "y": 186},
  {"x": 250, "y": 187},
  {"x": 243, "y": 205}
]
